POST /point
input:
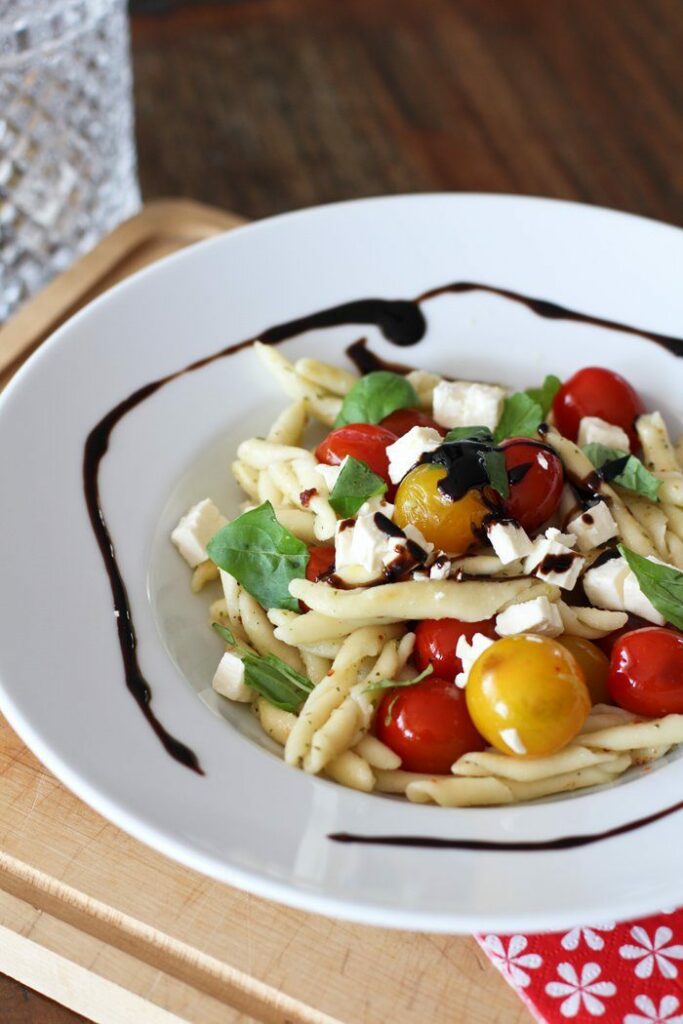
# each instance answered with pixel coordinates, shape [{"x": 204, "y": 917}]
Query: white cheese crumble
[
  {"x": 330, "y": 474},
  {"x": 440, "y": 569},
  {"x": 468, "y": 651},
  {"x": 465, "y": 404},
  {"x": 513, "y": 740},
  {"x": 553, "y": 560},
  {"x": 593, "y": 430},
  {"x": 509, "y": 541},
  {"x": 538, "y": 616},
  {"x": 406, "y": 452},
  {"x": 195, "y": 530},
  {"x": 614, "y": 586},
  {"x": 593, "y": 527},
  {"x": 362, "y": 543},
  {"x": 229, "y": 679}
]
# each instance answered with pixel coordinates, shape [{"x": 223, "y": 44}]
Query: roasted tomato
[
  {"x": 595, "y": 391},
  {"x": 527, "y": 695},
  {"x": 536, "y": 479},
  {"x": 320, "y": 562},
  {"x": 450, "y": 525},
  {"x": 594, "y": 664},
  {"x": 427, "y": 725},
  {"x": 436, "y": 640},
  {"x": 362, "y": 441},
  {"x": 403, "y": 420},
  {"x": 646, "y": 672}
]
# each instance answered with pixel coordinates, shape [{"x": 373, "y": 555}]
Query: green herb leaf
[
  {"x": 633, "y": 477},
  {"x": 262, "y": 555},
  {"x": 375, "y": 396},
  {"x": 661, "y": 584},
  {"x": 226, "y": 634},
  {"x": 269, "y": 675},
  {"x": 521, "y": 417},
  {"x": 468, "y": 434},
  {"x": 355, "y": 484},
  {"x": 497, "y": 471},
  {"x": 392, "y": 684},
  {"x": 545, "y": 395}
]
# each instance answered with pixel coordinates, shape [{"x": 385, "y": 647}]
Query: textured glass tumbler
[{"x": 67, "y": 154}]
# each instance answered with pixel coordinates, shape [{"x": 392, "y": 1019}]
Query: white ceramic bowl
[{"x": 250, "y": 820}]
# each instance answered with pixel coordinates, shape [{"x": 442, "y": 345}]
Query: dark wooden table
[{"x": 265, "y": 105}]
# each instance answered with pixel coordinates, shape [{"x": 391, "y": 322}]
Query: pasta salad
[{"x": 462, "y": 594}]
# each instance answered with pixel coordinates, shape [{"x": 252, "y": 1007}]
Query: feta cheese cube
[
  {"x": 330, "y": 474},
  {"x": 441, "y": 569},
  {"x": 229, "y": 679},
  {"x": 604, "y": 584},
  {"x": 360, "y": 542},
  {"x": 593, "y": 527},
  {"x": 637, "y": 603},
  {"x": 567, "y": 539},
  {"x": 554, "y": 562},
  {"x": 593, "y": 430},
  {"x": 412, "y": 533},
  {"x": 509, "y": 541},
  {"x": 514, "y": 741},
  {"x": 195, "y": 530},
  {"x": 537, "y": 616},
  {"x": 468, "y": 651},
  {"x": 406, "y": 452},
  {"x": 465, "y": 404}
]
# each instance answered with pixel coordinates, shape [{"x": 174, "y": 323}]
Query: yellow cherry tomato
[
  {"x": 594, "y": 664},
  {"x": 449, "y": 525},
  {"x": 527, "y": 695}
]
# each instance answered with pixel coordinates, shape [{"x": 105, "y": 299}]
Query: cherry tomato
[
  {"x": 449, "y": 525},
  {"x": 527, "y": 695},
  {"x": 436, "y": 639},
  {"x": 536, "y": 487},
  {"x": 427, "y": 725},
  {"x": 646, "y": 672},
  {"x": 362, "y": 441},
  {"x": 403, "y": 420},
  {"x": 320, "y": 562},
  {"x": 595, "y": 391},
  {"x": 594, "y": 664},
  {"x": 606, "y": 643}
]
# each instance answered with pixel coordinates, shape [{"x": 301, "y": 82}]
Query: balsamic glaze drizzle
[{"x": 403, "y": 323}]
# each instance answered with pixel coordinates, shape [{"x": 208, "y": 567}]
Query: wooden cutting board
[{"x": 120, "y": 934}]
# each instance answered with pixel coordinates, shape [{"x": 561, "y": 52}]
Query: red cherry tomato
[
  {"x": 362, "y": 441},
  {"x": 427, "y": 725},
  {"x": 606, "y": 643},
  {"x": 534, "y": 491},
  {"x": 320, "y": 562},
  {"x": 436, "y": 639},
  {"x": 646, "y": 672},
  {"x": 595, "y": 391},
  {"x": 403, "y": 420}
]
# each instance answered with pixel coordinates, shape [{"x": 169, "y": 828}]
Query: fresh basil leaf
[
  {"x": 469, "y": 434},
  {"x": 262, "y": 555},
  {"x": 375, "y": 396},
  {"x": 497, "y": 471},
  {"x": 226, "y": 635},
  {"x": 273, "y": 679},
  {"x": 355, "y": 484},
  {"x": 661, "y": 584},
  {"x": 391, "y": 684},
  {"x": 633, "y": 477},
  {"x": 545, "y": 395},
  {"x": 521, "y": 417},
  {"x": 270, "y": 676}
]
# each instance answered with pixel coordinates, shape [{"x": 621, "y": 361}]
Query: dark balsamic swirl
[{"x": 401, "y": 321}]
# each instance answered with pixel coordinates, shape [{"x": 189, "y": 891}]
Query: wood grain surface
[{"x": 265, "y": 105}]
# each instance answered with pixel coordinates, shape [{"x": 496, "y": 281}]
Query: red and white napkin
[{"x": 628, "y": 973}]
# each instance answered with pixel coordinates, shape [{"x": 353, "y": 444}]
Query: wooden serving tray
[{"x": 120, "y": 934}]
